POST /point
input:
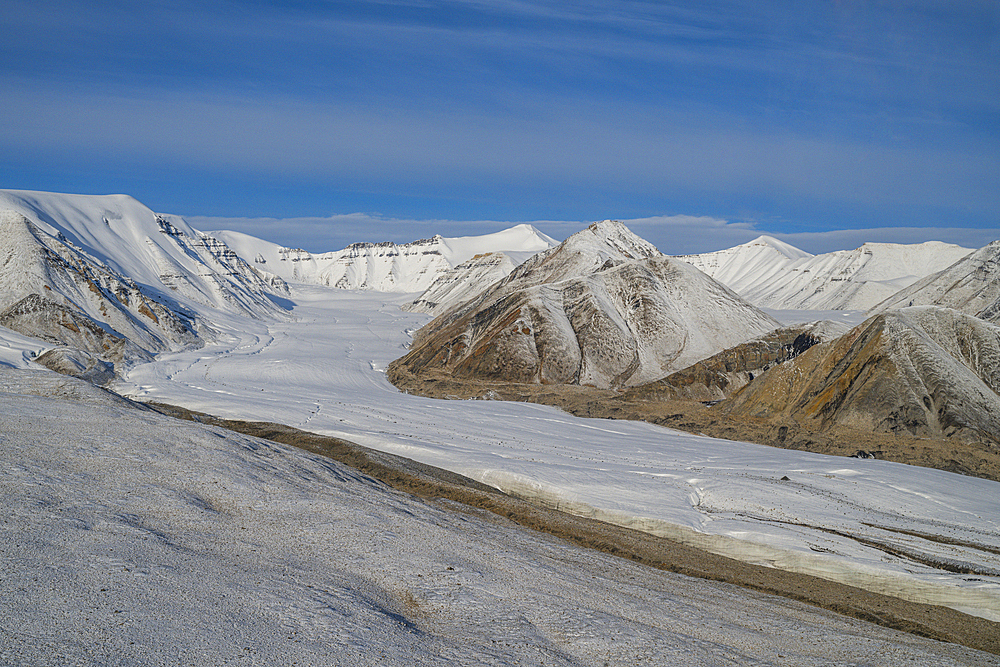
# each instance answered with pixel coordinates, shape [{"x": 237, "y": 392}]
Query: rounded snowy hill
[{"x": 971, "y": 285}]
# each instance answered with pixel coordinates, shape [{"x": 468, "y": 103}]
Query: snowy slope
[
  {"x": 52, "y": 292},
  {"x": 971, "y": 285},
  {"x": 756, "y": 261},
  {"x": 462, "y": 283},
  {"x": 772, "y": 274},
  {"x": 384, "y": 267},
  {"x": 161, "y": 253},
  {"x": 133, "y": 539}
]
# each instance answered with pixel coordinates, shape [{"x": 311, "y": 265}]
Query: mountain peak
[{"x": 786, "y": 249}]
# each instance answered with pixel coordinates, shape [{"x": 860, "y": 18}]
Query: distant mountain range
[
  {"x": 772, "y": 274},
  {"x": 384, "y": 267},
  {"x": 102, "y": 281}
]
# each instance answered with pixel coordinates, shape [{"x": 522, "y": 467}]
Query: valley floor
[{"x": 919, "y": 534}]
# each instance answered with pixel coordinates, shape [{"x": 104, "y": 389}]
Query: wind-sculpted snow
[
  {"x": 131, "y": 538},
  {"x": 927, "y": 371},
  {"x": 385, "y": 267},
  {"x": 971, "y": 285},
  {"x": 772, "y": 274},
  {"x": 906, "y": 531}
]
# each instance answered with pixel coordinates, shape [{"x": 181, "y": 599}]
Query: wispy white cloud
[
  {"x": 585, "y": 148},
  {"x": 782, "y": 109}
]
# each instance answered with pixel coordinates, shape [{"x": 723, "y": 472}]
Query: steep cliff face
[
  {"x": 926, "y": 371},
  {"x": 971, "y": 285},
  {"x": 604, "y": 309}
]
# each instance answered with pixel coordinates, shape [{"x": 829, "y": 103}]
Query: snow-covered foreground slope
[
  {"x": 385, "y": 267},
  {"x": 870, "y": 523},
  {"x": 131, "y": 538},
  {"x": 772, "y": 274}
]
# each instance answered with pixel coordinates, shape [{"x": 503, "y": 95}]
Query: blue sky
[{"x": 704, "y": 124}]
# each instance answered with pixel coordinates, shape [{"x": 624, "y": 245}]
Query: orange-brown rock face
[{"x": 927, "y": 371}]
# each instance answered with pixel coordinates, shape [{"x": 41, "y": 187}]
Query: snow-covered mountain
[
  {"x": 773, "y": 274},
  {"x": 603, "y": 308},
  {"x": 582, "y": 253},
  {"x": 971, "y": 285},
  {"x": 924, "y": 370},
  {"x": 385, "y": 267},
  {"x": 106, "y": 275}
]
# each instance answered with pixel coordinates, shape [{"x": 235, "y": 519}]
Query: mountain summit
[{"x": 604, "y": 308}]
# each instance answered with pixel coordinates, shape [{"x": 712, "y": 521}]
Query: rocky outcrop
[
  {"x": 971, "y": 285},
  {"x": 923, "y": 371},
  {"x": 604, "y": 308},
  {"x": 721, "y": 375}
]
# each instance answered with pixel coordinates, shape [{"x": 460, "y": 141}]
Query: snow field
[{"x": 131, "y": 538}]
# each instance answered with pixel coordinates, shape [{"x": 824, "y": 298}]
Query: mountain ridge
[
  {"x": 772, "y": 274},
  {"x": 385, "y": 266}
]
